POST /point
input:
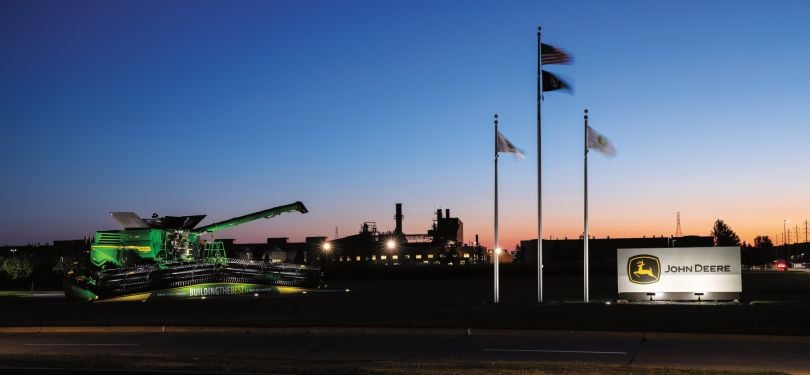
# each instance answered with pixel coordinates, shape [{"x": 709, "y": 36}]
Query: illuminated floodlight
[
  {"x": 498, "y": 250},
  {"x": 326, "y": 246},
  {"x": 390, "y": 245}
]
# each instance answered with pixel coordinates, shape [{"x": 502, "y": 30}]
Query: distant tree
[
  {"x": 64, "y": 265},
  {"x": 519, "y": 256},
  {"x": 763, "y": 242},
  {"x": 764, "y": 250},
  {"x": 747, "y": 254},
  {"x": 723, "y": 235},
  {"x": 18, "y": 267}
]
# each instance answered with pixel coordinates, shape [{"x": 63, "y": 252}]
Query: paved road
[{"x": 326, "y": 344}]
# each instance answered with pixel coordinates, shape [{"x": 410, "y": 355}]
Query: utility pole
[
  {"x": 797, "y": 233},
  {"x": 784, "y": 237},
  {"x": 805, "y": 240},
  {"x": 678, "y": 232}
]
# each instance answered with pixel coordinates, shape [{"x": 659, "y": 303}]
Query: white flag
[
  {"x": 503, "y": 145},
  {"x": 600, "y": 143}
]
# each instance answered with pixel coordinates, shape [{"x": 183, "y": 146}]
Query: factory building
[
  {"x": 447, "y": 230},
  {"x": 443, "y": 243}
]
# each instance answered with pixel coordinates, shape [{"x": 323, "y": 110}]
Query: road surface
[{"x": 745, "y": 352}]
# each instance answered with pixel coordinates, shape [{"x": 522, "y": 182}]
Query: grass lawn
[{"x": 772, "y": 303}]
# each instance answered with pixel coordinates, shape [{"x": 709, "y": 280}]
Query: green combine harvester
[{"x": 168, "y": 257}]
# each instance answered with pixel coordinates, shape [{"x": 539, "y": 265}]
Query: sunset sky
[{"x": 224, "y": 108}]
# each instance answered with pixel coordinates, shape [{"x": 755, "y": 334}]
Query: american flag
[{"x": 553, "y": 55}]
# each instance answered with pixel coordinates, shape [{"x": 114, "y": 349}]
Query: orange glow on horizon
[{"x": 630, "y": 223}]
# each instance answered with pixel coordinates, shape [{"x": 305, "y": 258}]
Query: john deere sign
[
  {"x": 644, "y": 269},
  {"x": 683, "y": 273}
]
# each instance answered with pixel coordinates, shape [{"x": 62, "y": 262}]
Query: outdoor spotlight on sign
[{"x": 679, "y": 273}]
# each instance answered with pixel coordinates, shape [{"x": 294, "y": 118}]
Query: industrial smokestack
[
  {"x": 398, "y": 218},
  {"x": 439, "y": 214},
  {"x": 476, "y": 239},
  {"x": 447, "y": 213}
]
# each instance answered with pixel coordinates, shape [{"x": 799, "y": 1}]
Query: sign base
[{"x": 680, "y": 296}]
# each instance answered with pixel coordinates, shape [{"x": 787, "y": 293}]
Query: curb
[
  {"x": 393, "y": 331},
  {"x": 309, "y": 330},
  {"x": 231, "y": 330}
]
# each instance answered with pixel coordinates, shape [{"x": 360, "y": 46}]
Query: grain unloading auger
[{"x": 168, "y": 257}]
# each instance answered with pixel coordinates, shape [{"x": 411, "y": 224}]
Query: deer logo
[{"x": 643, "y": 269}]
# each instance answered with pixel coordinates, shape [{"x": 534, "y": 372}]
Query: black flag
[
  {"x": 552, "y": 83},
  {"x": 553, "y": 55}
]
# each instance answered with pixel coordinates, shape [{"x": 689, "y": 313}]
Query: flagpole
[
  {"x": 496, "y": 295},
  {"x": 539, "y": 174},
  {"x": 585, "y": 236}
]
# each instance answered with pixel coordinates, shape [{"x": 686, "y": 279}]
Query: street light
[
  {"x": 327, "y": 249},
  {"x": 391, "y": 246}
]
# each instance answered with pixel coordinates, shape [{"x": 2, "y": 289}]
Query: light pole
[
  {"x": 784, "y": 237},
  {"x": 326, "y": 249},
  {"x": 390, "y": 247}
]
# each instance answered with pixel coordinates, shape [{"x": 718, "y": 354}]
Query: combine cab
[{"x": 168, "y": 257}]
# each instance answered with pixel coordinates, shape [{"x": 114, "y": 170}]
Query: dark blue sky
[{"x": 187, "y": 107}]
